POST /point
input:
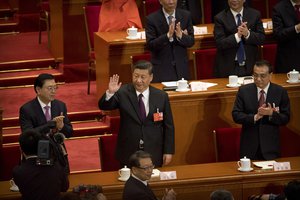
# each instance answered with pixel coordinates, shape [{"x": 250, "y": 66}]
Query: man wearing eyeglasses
[
  {"x": 45, "y": 113},
  {"x": 137, "y": 187},
  {"x": 261, "y": 107}
]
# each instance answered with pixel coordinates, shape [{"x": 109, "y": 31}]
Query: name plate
[
  {"x": 168, "y": 175},
  {"x": 281, "y": 166}
]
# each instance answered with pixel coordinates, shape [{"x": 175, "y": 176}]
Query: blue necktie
[{"x": 241, "y": 51}]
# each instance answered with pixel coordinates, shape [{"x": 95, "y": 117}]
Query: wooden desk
[
  {"x": 193, "y": 181},
  {"x": 197, "y": 114},
  {"x": 113, "y": 53}
]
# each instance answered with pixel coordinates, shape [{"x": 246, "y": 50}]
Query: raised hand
[
  {"x": 178, "y": 31},
  {"x": 114, "y": 85}
]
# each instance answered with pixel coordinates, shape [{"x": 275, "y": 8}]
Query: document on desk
[
  {"x": 169, "y": 83},
  {"x": 265, "y": 164},
  {"x": 168, "y": 175}
]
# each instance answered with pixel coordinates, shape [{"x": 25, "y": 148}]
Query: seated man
[
  {"x": 137, "y": 187},
  {"x": 38, "y": 182}
]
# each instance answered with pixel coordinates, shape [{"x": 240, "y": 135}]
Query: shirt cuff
[{"x": 108, "y": 95}]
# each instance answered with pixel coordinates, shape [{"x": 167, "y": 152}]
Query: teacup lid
[
  {"x": 132, "y": 28},
  {"x": 245, "y": 158},
  {"x": 125, "y": 168},
  {"x": 182, "y": 80},
  {"x": 294, "y": 72}
]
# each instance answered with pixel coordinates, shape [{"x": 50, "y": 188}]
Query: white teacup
[
  {"x": 132, "y": 32},
  {"x": 182, "y": 84},
  {"x": 293, "y": 76},
  {"x": 244, "y": 164},
  {"x": 13, "y": 186},
  {"x": 124, "y": 173},
  {"x": 233, "y": 80}
]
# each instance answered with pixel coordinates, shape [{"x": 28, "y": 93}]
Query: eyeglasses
[
  {"x": 262, "y": 76},
  {"x": 151, "y": 167},
  {"x": 52, "y": 88}
]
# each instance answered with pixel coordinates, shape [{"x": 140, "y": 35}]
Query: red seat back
[
  {"x": 269, "y": 53},
  {"x": 151, "y": 6},
  {"x": 107, "y": 148},
  {"x": 114, "y": 124},
  {"x": 91, "y": 17},
  {"x": 289, "y": 142},
  {"x": 227, "y": 143},
  {"x": 207, "y": 11},
  {"x": 10, "y": 157},
  {"x": 204, "y": 62}
]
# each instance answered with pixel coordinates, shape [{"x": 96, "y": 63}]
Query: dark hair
[
  {"x": 292, "y": 190},
  {"x": 134, "y": 160},
  {"x": 29, "y": 141},
  {"x": 221, "y": 195},
  {"x": 264, "y": 63},
  {"x": 143, "y": 64},
  {"x": 40, "y": 80}
]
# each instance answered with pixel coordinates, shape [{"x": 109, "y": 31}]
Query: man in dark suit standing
[
  {"x": 37, "y": 182},
  {"x": 145, "y": 114},
  {"x": 286, "y": 30},
  {"x": 137, "y": 187},
  {"x": 261, "y": 107},
  {"x": 169, "y": 32},
  {"x": 238, "y": 32},
  {"x": 45, "y": 113}
]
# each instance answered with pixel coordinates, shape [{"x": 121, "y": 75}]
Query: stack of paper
[{"x": 265, "y": 164}]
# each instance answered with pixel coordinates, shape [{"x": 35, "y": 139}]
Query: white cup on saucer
[
  {"x": 13, "y": 186},
  {"x": 132, "y": 32},
  {"x": 293, "y": 76},
  {"x": 182, "y": 85},
  {"x": 233, "y": 80},
  {"x": 124, "y": 173},
  {"x": 244, "y": 164}
]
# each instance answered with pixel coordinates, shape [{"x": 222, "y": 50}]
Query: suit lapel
[
  {"x": 231, "y": 21},
  {"x": 39, "y": 112}
]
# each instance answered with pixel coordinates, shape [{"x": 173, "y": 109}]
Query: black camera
[{"x": 50, "y": 147}]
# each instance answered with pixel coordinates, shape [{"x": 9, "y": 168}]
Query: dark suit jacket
[
  {"x": 288, "y": 46},
  {"x": 158, "y": 136},
  {"x": 32, "y": 116},
  {"x": 224, "y": 30},
  {"x": 265, "y": 131},
  {"x": 136, "y": 190},
  {"x": 40, "y": 182},
  {"x": 169, "y": 59}
]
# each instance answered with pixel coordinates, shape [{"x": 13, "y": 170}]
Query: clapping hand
[
  {"x": 114, "y": 85},
  {"x": 59, "y": 121},
  {"x": 243, "y": 30},
  {"x": 169, "y": 194}
]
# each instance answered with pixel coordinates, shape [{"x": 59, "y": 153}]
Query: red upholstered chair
[
  {"x": 114, "y": 124},
  {"x": 10, "y": 157},
  {"x": 91, "y": 18},
  {"x": 203, "y": 63},
  {"x": 151, "y": 6},
  {"x": 107, "y": 147},
  {"x": 206, "y": 11},
  {"x": 227, "y": 144},
  {"x": 289, "y": 142}
]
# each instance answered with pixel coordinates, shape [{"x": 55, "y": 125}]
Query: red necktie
[
  {"x": 142, "y": 107},
  {"x": 47, "y": 113},
  {"x": 297, "y": 10},
  {"x": 261, "y": 100}
]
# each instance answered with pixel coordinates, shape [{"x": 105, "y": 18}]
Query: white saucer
[
  {"x": 293, "y": 82},
  {"x": 121, "y": 179},
  {"x": 14, "y": 188},
  {"x": 133, "y": 38},
  {"x": 183, "y": 90},
  {"x": 233, "y": 86},
  {"x": 245, "y": 170}
]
